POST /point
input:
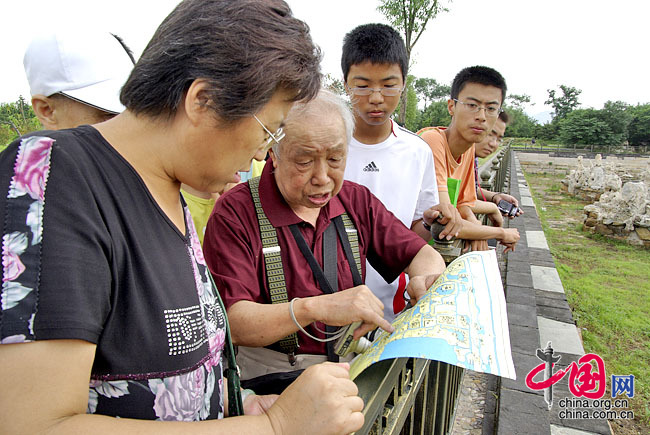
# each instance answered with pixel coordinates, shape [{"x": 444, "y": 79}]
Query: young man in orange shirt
[{"x": 477, "y": 94}]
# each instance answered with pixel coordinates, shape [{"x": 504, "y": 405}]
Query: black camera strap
[{"x": 327, "y": 278}]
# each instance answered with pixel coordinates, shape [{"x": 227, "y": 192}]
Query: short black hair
[
  {"x": 481, "y": 75},
  {"x": 374, "y": 43},
  {"x": 246, "y": 50},
  {"x": 503, "y": 116}
]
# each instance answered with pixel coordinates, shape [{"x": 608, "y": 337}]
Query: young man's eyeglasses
[
  {"x": 491, "y": 111},
  {"x": 386, "y": 92},
  {"x": 273, "y": 137}
]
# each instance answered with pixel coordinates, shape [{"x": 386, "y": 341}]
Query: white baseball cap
[{"x": 89, "y": 66}]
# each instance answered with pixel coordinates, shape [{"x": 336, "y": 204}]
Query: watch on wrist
[{"x": 426, "y": 225}]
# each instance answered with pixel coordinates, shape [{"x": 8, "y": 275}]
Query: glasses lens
[
  {"x": 390, "y": 92},
  {"x": 362, "y": 92}
]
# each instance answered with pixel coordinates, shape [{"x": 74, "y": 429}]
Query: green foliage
[
  {"x": 16, "y": 119},
  {"x": 617, "y": 116},
  {"x": 517, "y": 100},
  {"x": 333, "y": 84},
  {"x": 639, "y": 127},
  {"x": 429, "y": 90},
  {"x": 607, "y": 284},
  {"x": 521, "y": 125},
  {"x": 565, "y": 103},
  {"x": 409, "y": 17},
  {"x": 435, "y": 115},
  {"x": 411, "y": 105},
  {"x": 545, "y": 131},
  {"x": 585, "y": 127}
]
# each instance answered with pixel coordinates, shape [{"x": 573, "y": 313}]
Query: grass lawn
[{"x": 607, "y": 284}]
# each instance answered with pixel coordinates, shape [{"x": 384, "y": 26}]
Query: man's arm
[
  {"x": 473, "y": 230},
  {"x": 256, "y": 325},
  {"x": 490, "y": 209},
  {"x": 495, "y": 197},
  {"x": 423, "y": 270}
]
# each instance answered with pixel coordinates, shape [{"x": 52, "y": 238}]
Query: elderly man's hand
[
  {"x": 448, "y": 215},
  {"x": 323, "y": 400},
  {"x": 352, "y": 305},
  {"x": 418, "y": 286}
]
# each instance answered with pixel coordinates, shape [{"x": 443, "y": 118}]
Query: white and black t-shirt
[
  {"x": 400, "y": 172},
  {"x": 90, "y": 255}
]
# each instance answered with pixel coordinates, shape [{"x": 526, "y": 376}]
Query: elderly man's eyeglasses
[
  {"x": 386, "y": 92},
  {"x": 491, "y": 111},
  {"x": 273, "y": 137}
]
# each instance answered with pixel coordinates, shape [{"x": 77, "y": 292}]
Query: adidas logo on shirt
[{"x": 371, "y": 167}]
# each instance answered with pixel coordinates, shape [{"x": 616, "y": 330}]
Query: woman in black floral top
[{"x": 107, "y": 309}]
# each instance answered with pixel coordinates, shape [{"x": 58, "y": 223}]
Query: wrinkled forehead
[
  {"x": 315, "y": 146},
  {"x": 313, "y": 134}
]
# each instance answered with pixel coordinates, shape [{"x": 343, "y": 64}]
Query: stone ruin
[{"x": 621, "y": 209}]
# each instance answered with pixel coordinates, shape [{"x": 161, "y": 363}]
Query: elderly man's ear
[
  {"x": 45, "y": 110},
  {"x": 274, "y": 158}
]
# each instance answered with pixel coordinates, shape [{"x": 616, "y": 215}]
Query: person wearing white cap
[
  {"x": 75, "y": 76},
  {"x": 107, "y": 305}
]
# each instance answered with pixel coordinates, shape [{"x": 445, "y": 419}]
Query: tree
[
  {"x": 517, "y": 101},
  {"x": 435, "y": 115},
  {"x": 565, "y": 103},
  {"x": 412, "y": 112},
  {"x": 16, "y": 119},
  {"x": 639, "y": 128},
  {"x": 617, "y": 115},
  {"x": 410, "y": 17},
  {"x": 333, "y": 84},
  {"x": 429, "y": 90},
  {"x": 585, "y": 126},
  {"x": 411, "y": 105},
  {"x": 520, "y": 125}
]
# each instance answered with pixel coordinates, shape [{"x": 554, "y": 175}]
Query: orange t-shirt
[{"x": 448, "y": 167}]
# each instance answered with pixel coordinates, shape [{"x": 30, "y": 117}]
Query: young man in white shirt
[{"x": 394, "y": 163}]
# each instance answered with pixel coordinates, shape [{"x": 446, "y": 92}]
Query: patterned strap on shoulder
[{"x": 272, "y": 262}]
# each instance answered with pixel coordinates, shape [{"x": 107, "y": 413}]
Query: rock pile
[{"x": 621, "y": 210}]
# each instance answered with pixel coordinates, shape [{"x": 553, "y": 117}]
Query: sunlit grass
[{"x": 607, "y": 284}]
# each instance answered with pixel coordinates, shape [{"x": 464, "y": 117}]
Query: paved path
[{"x": 538, "y": 313}]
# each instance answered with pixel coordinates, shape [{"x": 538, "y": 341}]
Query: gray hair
[
  {"x": 246, "y": 50},
  {"x": 326, "y": 103}
]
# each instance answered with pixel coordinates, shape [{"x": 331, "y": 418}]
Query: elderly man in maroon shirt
[{"x": 302, "y": 193}]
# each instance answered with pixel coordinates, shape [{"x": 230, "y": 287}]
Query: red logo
[{"x": 583, "y": 381}]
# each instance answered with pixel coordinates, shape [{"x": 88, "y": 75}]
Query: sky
[{"x": 597, "y": 46}]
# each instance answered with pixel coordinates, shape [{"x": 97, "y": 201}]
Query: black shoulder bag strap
[
  {"x": 327, "y": 278},
  {"x": 231, "y": 370},
  {"x": 329, "y": 261}
]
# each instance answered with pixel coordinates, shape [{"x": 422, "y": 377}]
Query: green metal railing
[
  {"x": 409, "y": 396},
  {"x": 494, "y": 178},
  {"x": 412, "y": 395}
]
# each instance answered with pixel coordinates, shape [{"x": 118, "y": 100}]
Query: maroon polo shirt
[{"x": 233, "y": 246}]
